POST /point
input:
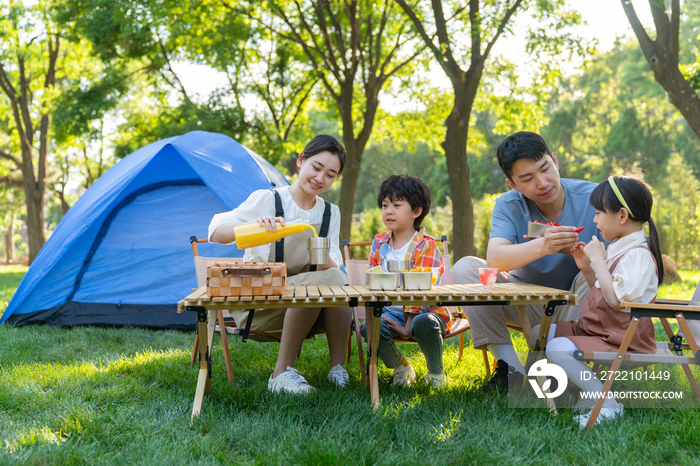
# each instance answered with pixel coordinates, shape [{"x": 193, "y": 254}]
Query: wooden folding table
[{"x": 517, "y": 294}]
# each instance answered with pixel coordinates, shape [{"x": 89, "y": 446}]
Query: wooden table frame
[{"x": 518, "y": 294}]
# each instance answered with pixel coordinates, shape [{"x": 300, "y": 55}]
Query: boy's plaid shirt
[{"x": 422, "y": 251}]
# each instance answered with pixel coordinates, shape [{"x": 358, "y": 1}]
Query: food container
[
  {"x": 397, "y": 266},
  {"x": 246, "y": 279},
  {"x": 382, "y": 281},
  {"x": 417, "y": 280},
  {"x": 536, "y": 229},
  {"x": 318, "y": 250}
]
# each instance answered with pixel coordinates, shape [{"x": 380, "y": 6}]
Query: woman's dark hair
[
  {"x": 638, "y": 197},
  {"x": 406, "y": 188},
  {"x": 523, "y": 144},
  {"x": 324, "y": 142}
]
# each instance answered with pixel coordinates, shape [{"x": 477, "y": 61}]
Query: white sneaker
[
  {"x": 404, "y": 375},
  {"x": 290, "y": 381},
  {"x": 435, "y": 380},
  {"x": 339, "y": 375},
  {"x": 606, "y": 415}
]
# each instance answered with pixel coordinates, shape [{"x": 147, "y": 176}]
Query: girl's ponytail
[{"x": 655, "y": 249}]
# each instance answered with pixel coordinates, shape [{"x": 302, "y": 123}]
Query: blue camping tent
[{"x": 121, "y": 255}]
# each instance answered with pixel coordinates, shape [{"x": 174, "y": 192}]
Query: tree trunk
[
  {"x": 9, "y": 244},
  {"x": 455, "y": 146},
  {"x": 679, "y": 91},
  {"x": 354, "y": 147},
  {"x": 348, "y": 187},
  {"x": 34, "y": 200}
]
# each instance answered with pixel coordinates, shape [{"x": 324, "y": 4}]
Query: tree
[
  {"x": 485, "y": 22},
  {"x": 662, "y": 55},
  {"x": 29, "y": 51},
  {"x": 354, "y": 47}
]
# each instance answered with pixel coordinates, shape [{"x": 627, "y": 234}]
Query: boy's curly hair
[{"x": 406, "y": 188}]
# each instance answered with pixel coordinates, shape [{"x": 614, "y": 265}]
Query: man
[{"x": 538, "y": 193}]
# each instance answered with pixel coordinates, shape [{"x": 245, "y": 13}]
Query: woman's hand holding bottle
[{"x": 270, "y": 223}]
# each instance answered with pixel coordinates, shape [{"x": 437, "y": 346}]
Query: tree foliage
[
  {"x": 663, "y": 55},
  {"x": 461, "y": 39},
  {"x": 140, "y": 42},
  {"x": 354, "y": 48},
  {"x": 615, "y": 118}
]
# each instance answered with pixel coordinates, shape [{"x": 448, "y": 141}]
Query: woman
[{"x": 319, "y": 165}]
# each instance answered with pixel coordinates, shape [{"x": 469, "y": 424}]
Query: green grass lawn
[{"x": 124, "y": 396}]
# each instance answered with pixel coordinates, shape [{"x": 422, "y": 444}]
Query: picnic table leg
[
  {"x": 525, "y": 324},
  {"x": 224, "y": 344},
  {"x": 541, "y": 344},
  {"x": 547, "y": 314},
  {"x": 374, "y": 323},
  {"x": 205, "y": 323}
]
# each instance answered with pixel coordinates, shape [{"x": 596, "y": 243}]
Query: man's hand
[{"x": 557, "y": 239}]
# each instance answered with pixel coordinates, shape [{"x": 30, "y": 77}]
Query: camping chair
[
  {"x": 225, "y": 323},
  {"x": 356, "y": 277},
  {"x": 686, "y": 313}
]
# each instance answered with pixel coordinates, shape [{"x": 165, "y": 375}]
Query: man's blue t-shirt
[{"x": 509, "y": 221}]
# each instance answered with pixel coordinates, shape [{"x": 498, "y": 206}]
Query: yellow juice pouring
[{"x": 251, "y": 234}]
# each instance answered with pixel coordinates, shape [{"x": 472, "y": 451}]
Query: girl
[
  {"x": 319, "y": 165},
  {"x": 630, "y": 270}
]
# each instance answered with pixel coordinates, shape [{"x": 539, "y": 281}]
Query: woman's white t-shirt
[{"x": 261, "y": 203}]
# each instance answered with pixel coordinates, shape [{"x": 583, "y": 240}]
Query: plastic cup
[
  {"x": 488, "y": 276},
  {"x": 318, "y": 250},
  {"x": 435, "y": 271}
]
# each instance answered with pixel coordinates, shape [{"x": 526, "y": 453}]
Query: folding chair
[
  {"x": 225, "y": 323},
  {"x": 356, "y": 277},
  {"x": 686, "y": 313}
]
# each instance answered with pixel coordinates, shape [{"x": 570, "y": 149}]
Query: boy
[{"x": 405, "y": 201}]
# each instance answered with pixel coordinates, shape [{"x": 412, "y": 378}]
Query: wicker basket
[{"x": 246, "y": 279}]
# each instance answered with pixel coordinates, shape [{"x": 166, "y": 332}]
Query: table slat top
[{"x": 313, "y": 296}]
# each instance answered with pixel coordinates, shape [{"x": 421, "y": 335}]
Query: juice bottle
[{"x": 252, "y": 234}]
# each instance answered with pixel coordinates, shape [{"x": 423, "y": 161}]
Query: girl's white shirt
[
  {"x": 634, "y": 277},
  {"x": 261, "y": 203}
]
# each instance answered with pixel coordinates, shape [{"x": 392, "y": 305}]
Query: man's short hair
[
  {"x": 523, "y": 144},
  {"x": 406, "y": 188}
]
